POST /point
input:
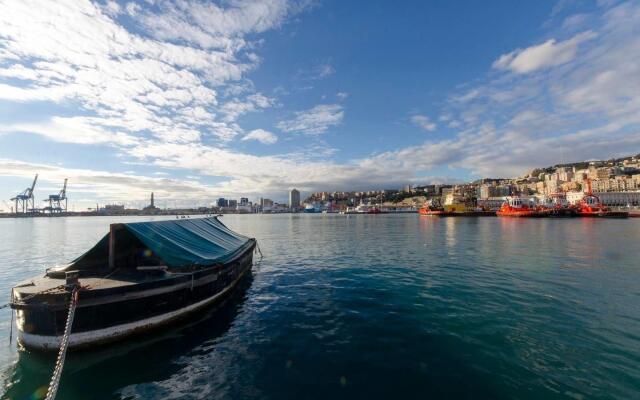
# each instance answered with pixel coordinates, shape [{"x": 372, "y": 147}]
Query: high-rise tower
[{"x": 294, "y": 198}]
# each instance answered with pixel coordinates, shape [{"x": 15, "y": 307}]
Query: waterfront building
[
  {"x": 244, "y": 201},
  {"x": 232, "y": 203},
  {"x": 112, "y": 209},
  {"x": 266, "y": 205},
  {"x": 222, "y": 202},
  {"x": 486, "y": 191},
  {"x": 294, "y": 198},
  {"x": 619, "y": 199},
  {"x": 611, "y": 199}
]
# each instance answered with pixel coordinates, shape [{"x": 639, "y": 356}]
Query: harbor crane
[
  {"x": 58, "y": 202},
  {"x": 24, "y": 199}
]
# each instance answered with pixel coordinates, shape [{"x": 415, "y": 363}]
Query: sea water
[{"x": 368, "y": 306}]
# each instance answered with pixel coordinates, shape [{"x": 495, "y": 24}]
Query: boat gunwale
[{"x": 98, "y": 296}]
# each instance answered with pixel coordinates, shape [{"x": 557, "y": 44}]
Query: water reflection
[
  {"x": 450, "y": 233},
  {"x": 147, "y": 357}
]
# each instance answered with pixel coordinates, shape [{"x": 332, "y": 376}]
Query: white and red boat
[
  {"x": 591, "y": 206},
  {"x": 519, "y": 207},
  {"x": 432, "y": 208}
]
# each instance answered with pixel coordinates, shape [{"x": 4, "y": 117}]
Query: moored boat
[
  {"x": 591, "y": 206},
  {"x": 312, "y": 209},
  {"x": 556, "y": 205},
  {"x": 432, "y": 208},
  {"x": 138, "y": 277},
  {"x": 367, "y": 209},
  {"x": 518, "y": 207}
]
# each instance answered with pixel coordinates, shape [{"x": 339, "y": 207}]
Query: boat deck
[{"x": 48, "y": 284}]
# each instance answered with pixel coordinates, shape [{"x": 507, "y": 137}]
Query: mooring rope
[
  {"x": 257, "y": 250},
  {"x": 11, "y": 329},
  {"x": 64, "y": 343}
]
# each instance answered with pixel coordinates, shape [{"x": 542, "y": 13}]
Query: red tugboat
[
  {"x": 432, "y": 208},
  {"x": 590, "y": 206},
  {"x": 518, "y": 207}
]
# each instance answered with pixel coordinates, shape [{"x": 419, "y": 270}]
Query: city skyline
[{"x": 199, "y": 100}]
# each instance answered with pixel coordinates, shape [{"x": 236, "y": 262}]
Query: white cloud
[
  {"x": 132, "y": 9},
  {"x": 112, "y": 7},
  {"x": 261, "y": 135},
  {"x": 325, "y": 70},
  {"x": 209, "y": 25},
  {"x": 547, "y": 54},
  {"x": 587, "y": 109},
  {"x": 165, "y": 102},
  {"x": 424, "y": 123},
  {"x": 315, "y": 120},
  {"x": 130, "y": 81},
  {"x": 316, "y": 72},
  {"x": 81, "y": 130},
  {"x": 235, "y": 108}
]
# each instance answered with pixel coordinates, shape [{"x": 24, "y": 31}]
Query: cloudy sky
[{"x": 196, "y": 99}]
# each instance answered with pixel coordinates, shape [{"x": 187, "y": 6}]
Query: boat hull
[
  {"x": 429, "y": 212},
  {"x": 442, "y": 213},
  {"x": 603, "y": 214},
  {"x": 521, "y": 214},
  {"x": 115, "y": 316}
]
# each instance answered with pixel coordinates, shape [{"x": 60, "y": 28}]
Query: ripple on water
[{"x": 379, "y": 306}]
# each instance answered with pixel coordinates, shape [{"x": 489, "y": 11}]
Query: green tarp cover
[
  {"x": 185, "y": 242},
  {"x": 176, "y": 243}
]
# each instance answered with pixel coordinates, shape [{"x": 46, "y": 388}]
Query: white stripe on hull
[{"x": 52, "y": 343}]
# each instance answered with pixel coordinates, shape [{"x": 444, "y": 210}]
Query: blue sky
[{"x": 196, "y": 100}]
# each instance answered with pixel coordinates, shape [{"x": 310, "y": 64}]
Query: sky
[{"x": 196, "y": 100}]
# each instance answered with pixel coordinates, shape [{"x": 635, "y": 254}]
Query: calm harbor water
[{"x": 370, "y": 306}]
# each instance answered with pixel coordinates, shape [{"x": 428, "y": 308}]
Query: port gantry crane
[
  {"x": 25, "y": 198},
  {"x": 58, "y": 202}
]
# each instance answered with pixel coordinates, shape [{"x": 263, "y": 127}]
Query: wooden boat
[{"x": 138, "y": 277}]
